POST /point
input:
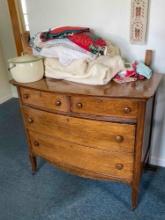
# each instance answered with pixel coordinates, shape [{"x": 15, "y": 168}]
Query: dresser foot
[
  {"x": 33, "y": 163},
  {"x": 33, "y": 173},
  {"x": 134, "y": 198}
]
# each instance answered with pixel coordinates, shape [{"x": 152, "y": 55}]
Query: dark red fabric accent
[
  {"x": 68, "y": 28},
  {"x": 87, "y": 41}
]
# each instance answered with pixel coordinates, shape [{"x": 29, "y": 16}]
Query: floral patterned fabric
[
  {"x": 136, "y": 71},
  {"x": 81, "y": 36}
]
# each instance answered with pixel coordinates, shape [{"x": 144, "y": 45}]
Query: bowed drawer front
[
  {"x": 94, "y": 132},
  {"x": 72, "y": 155}
]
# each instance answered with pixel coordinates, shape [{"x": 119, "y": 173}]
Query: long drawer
[
  {"x": 90, "y": 161},
  {"x": 96, "y": 134}
]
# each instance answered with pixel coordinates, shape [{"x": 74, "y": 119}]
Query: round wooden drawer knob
[
  {"x": 36, "y": 143},
  {"x": 79, "y": 105},
  {"x": 30, "y": 120},
  {"x": 119, "y": 138},
  {"x": 25, "y": 96},
  {"x": 127, "y": 110},
  {"x": 119, "y": 166},
  {"x": 58, "y": 103}
]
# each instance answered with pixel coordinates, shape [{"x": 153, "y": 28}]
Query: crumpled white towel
[
  {"x": 98, "y": 72},
  {"x": 77, "y": 67},
  {"x": 65, "y": 54}
]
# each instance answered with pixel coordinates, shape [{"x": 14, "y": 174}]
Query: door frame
[
  {"x": 17, "y": 29},
  {"x": 21, "y": 36}
]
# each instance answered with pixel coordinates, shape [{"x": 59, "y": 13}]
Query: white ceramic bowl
[{"x": 27, "y": 68}]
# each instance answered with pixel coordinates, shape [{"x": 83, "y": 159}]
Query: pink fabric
[{"x": 128, "y": 75}]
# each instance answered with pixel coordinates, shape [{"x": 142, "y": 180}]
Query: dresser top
[{"x": 141, "y": 89}]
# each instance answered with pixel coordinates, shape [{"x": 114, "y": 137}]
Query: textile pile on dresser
[
  {"x": 52, "y": 194},
  {"x": 78, "y": 55}
]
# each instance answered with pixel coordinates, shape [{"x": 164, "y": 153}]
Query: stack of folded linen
[
  {"x": 78, "y": 55},
  {"x": 63, "y": 49}
]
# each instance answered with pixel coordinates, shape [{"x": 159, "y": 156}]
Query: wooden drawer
[
  {"x": 45, "y": 100},
  {"x": 104, "y": 106},
  {"x": 91, "y": 161},
  {"x": 97, "y": 134}
]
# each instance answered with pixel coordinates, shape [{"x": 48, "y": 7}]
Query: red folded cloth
[{"x": 89, "y": 41}]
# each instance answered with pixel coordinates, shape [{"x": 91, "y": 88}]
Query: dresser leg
[
  {"x": 33, "y": 163},
  {"x": 134, "y": 197}
]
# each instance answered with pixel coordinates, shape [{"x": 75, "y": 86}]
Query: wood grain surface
[
  {"x": 47, "y": 100},
  {"x": 96, "y": 134},
  {"x": 106, "y": 107},
  {"x": 59, "y": 151},
  {"x": 141, "y": 89}
]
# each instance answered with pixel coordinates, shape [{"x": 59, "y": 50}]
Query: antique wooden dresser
[{"x": 99, "y": 132}]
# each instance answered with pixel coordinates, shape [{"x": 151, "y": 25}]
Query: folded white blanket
[
  {"x": 77, "y": 67},
  {"x": 97, "y": 72}
]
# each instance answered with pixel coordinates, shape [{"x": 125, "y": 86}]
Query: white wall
[
  {"x": 7, "y": 39},
  {"x": 111, "y": 19},
  {"x": 5, "y": 90},
  {"x": 158, "y": 137}
]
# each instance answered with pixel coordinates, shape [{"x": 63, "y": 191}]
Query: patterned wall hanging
[{"x": 139, "y": 17}]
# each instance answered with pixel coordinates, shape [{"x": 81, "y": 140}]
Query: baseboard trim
[
  {"x": 157, "y": 161},
  {"x": 5, "y": 98}
]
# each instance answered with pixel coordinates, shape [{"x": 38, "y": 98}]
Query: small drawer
[
  {"x": 89, "y": 160},
  {"x": 45, "y": 100},
  {"x": 104, "y": 106}
]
